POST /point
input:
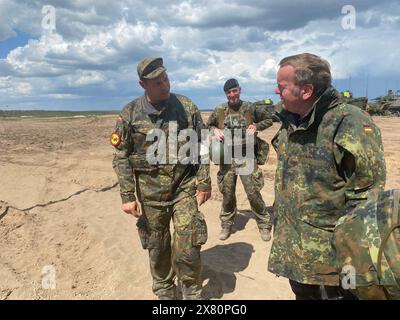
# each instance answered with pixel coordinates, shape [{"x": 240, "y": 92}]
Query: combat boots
[
  {"x": 166, "y": 297},
  {"x": 265, "y": 234},
  {"x": 225, "y": 232},
  {"x": 169, "y": 294}
]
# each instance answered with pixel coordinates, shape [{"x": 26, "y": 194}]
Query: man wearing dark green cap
[
  {"x": 242, "y": 115},
  {"x": 165, "y": 191}
]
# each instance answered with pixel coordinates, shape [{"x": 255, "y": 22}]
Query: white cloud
[
  {"x": 217, "y": 13},
  {"x": 51, "y": 55},
  {"x": 252, "y": 67},
  {"x": 61, "y": 96},
  {"x": 85, "y": 78},
  {"x": 14, "y": 87}
]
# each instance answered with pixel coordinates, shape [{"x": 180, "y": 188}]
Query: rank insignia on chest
[
  {"x": 367, "y": 128},
  {"x": 115, "y": 139}
]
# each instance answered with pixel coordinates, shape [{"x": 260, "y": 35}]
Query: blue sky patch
[{"x": 20, "y": 40}]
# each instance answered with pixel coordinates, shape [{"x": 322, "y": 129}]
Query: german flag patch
[
  {"x": 115, "y": 139},
  {"x": 367, "y": 128}
]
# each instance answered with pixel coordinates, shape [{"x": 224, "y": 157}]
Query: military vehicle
[
  {"x": 268, "y": 104},
  {"x": 374, "y": 108},
  {"x": 361, "y": 102},
  {"x": 387, "y": 105}
]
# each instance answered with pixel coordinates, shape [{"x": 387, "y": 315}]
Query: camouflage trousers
[
  {"x": 252, "y": 183},
  {"x": 180, "y": 257}
]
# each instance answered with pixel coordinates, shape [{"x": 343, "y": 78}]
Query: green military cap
[{"x": 150, "y": 68}]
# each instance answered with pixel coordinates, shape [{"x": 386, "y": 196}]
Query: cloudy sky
[{"x": 87, "y": 59}]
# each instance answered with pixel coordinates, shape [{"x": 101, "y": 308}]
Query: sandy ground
[{"x": 60, "y": 210}]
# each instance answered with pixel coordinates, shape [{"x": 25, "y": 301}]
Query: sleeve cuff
[
  {"x": 128, "y": 197},
  {"x": 204, "y": 187}
]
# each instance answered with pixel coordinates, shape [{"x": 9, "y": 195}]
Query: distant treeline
[{"x": 50, "y": 113}]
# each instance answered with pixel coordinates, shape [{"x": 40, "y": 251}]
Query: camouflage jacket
[
  {"x": 327, "y": 165},
  {"x": 156, "y": 184},
  {"x": 258, "y": 116}
]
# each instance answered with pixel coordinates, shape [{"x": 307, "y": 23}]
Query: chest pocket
[
  {"x": 235, "y": 121},
  {"x": 139, "y": 132},
  {"x": 139, "y": 146},
  {"x": 172, "y": 122},
  {"x": 237, "y": 124}
]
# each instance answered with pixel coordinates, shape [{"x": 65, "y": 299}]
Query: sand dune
[{"x": 60, "y": 210}]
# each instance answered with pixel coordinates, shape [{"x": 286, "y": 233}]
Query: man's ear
[
  {"x": 142, "y": 84},
  {"x": 308, "y": 91}
]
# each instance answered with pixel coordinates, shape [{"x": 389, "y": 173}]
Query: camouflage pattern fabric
[
  {"x": 240, "y": 117},
  {"x": 235, "y": 118},
  {"x": 260, "y": 117},
  {"x": 328, "y": 163},
  {"x": 252, "y": 183},
  {"x": 182, "y": 258},
  {"x": 159, "y": 184},
  {"x": 368, "y": 239},
  {"x": 165, "y": 191}
]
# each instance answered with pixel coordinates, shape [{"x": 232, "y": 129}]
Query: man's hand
[
  {"x": 219, "y": 134},
  {"x": 202, "y": 196},
  {"x": 132, "y": 208},
  {"x": 251, "y": 129}
]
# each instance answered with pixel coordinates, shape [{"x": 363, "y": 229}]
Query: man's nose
[
  {"x": 165, "y": 85},
  {"x": 277, "y": 91}
]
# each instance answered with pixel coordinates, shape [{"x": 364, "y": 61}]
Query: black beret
[{"x": 231, "y": 83}]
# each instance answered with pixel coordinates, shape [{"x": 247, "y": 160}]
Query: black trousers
[{"x": 319, "y": 292}]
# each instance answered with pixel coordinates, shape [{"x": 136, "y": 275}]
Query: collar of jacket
[
  {"x": 235, "y": 108},
  {"x": 150, "y": 109},
  {"x": 327, "y": 101}
]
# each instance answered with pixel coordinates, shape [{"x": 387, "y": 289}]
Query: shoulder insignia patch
[
  {"x": 367, "y": 128},
  {"x": 115, "y": 139}
]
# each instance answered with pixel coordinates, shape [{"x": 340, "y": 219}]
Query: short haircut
[{"x": 310, "y": 69}]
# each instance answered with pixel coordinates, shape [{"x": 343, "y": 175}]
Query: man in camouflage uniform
[
  {"x": 250, "y": 119},
  {"x": 330, "y": 157},
  {"x": 166, "y": 191}
]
